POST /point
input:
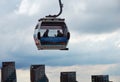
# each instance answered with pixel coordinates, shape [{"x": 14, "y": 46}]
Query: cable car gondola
[{"x": 51, "y": 33}]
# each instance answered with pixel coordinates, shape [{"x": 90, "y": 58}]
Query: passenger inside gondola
[
  {"x": 59, "y": 34},
  {"x": 46, "y": 33}
]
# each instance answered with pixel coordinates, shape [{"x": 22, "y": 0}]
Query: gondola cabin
[{"x": 51, "y": 33}]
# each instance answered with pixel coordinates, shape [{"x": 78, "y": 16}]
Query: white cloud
[
  {"x": 32, "y": 8},
  {"x": 77, "y": 38},
  {"x": 23, "y": 75},
  {"x": 117, "y": 44},
  {"x": 115, "y": 78},
  {"x": 94, "y": 42},
  {"x": 28, "y": 7}
]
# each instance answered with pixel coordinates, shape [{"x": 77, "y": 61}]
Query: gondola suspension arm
[{"x": 61, "y": 6}]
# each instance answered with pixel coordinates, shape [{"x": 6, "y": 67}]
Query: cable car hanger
[{"x": 61, "y": 6}]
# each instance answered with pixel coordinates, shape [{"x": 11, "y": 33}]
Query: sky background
[{"x": 94, "y": 46}]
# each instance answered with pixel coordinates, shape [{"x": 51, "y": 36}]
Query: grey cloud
[
  {"x": 98, "y": 17},
  {"x": 16, "y": 46},
  {"x": 25, "y": 57}
]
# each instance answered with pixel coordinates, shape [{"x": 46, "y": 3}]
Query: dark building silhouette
[
  {"x": 68, "y": 77},
  {"x": 37, "y": 73},
  {"x": 100, "y": 78},
  {"x": 8, "y": 72}
]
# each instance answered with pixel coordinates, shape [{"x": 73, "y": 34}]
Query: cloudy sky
[{"x": 94, "y": 46}]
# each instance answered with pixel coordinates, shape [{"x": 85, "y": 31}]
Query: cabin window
[{"x": 51, "y": 33}]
